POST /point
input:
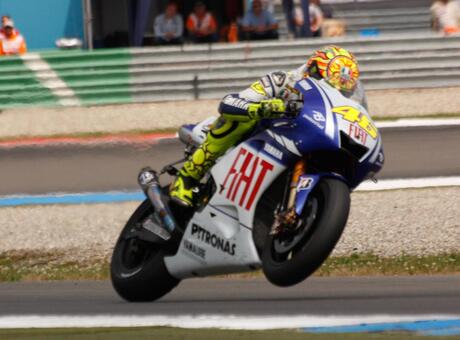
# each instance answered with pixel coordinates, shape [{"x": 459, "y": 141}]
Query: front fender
[{"x": 306, "y": 184}]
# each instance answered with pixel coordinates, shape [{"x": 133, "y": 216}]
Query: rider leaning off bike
[{"x": 265, "y": 98}]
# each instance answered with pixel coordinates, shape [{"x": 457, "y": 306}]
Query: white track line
[
  {"x": 50, "y": 79},
  {"x": 207, "y": 321},
  {"x": 417, "y": 122},
  {"x": 392, "y": 184}
]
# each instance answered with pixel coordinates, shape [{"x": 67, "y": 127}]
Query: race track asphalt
[
  {"x": 316, "y": 296},
  {"x": 410, "y": 153}
]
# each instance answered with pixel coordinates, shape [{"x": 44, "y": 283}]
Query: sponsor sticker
[
  {"x": 245, "y": 178},
  {"x": 273, "y": 151},
  {"x": 318, "y": 116},
  {"x": 305, "y": 85},
  {"x": 213, "y": 240},
  {"x": 257, "y": 86},
  {"x": 357, "y": 133},
  {"x": 305, "y": 183},
  {"x": 265, "y": 81},
  {"x": 313, "y": 121},
  {"x": 146, "y": 177},
  {"x": 194, "y": 249},
  {"x": 279, "y": 78}
]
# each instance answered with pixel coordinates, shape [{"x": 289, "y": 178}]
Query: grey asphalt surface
[
  {"x": 410, "y": 153},
  {"x": 315, "y": 296}
]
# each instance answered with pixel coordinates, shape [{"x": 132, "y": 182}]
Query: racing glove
[{"x": 266, "y": 109}]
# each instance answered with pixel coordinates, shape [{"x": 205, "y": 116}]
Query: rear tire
[
  {"x": 324, "y": 227},
  {"x": 137, "y": 269}
]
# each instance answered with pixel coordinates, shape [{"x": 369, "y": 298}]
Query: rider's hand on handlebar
[{"x": 267, "y": 109}]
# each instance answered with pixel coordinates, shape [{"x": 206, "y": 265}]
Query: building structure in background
[
  {"x": 126, "y": 23},
  {"x": 45, "y": 21}
]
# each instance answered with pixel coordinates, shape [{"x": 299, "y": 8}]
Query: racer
[{"x": 266, "y": 98}]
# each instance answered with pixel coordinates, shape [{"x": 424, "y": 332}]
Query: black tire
[
  {"x": 137, "y": 268},
  {"x": 325, "y": 226}
]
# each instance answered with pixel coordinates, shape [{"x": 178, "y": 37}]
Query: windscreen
[{"x": 358, "y": 95}]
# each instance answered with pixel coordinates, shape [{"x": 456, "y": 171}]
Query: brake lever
[{"x": 293, "y": 108}]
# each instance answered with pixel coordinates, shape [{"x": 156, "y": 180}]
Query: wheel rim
[
  {"x": 285, "y": 246},
  {"x": 134, "y": 252}
]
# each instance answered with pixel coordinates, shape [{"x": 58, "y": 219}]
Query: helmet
[{"x": 335, "y": 65}]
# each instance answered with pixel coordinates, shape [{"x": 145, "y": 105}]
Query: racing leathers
[{"x": 240, "y": 113}]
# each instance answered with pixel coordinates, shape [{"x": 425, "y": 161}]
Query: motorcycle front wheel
[
  {"x": 289, "y": 258},
  {"x": 137, "y": 269}
]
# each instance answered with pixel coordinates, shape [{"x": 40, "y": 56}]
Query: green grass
[
  {"x": 53, "y": 266},
  {"x": 358, "y": 265},
  {"x": 165, "y": 333},
  {"x": 32, "y": 266}
]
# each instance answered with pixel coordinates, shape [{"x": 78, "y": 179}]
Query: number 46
[{"x": 353, "y": 115}]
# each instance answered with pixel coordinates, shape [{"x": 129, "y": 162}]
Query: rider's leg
[{"x": 223, "y": 134}]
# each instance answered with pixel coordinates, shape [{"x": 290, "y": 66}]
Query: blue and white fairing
[
  {"x": 329, "y": 125},
  {"x": 219, "y": 237},
  {"x": 329, "y": 122}
]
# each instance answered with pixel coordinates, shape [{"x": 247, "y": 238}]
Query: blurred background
[{"x": 145, "y": 50}]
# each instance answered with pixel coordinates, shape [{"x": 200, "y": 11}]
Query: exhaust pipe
[{"x": 149, "y": 182}]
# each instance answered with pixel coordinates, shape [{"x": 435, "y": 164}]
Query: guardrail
[{"x": 211, "y": 71}]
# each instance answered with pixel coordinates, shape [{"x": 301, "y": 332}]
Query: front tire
[
  {"x": 137, "y": 269},
  {"x": 324, "y": 219}
]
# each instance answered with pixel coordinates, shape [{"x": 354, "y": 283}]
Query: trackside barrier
[{"x": 210, "y": 71}]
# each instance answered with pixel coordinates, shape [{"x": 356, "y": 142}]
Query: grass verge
[
  {"x": 54, "y": 266},
  {"x": 166, "y": 333}
]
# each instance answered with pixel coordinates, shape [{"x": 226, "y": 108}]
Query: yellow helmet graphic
[{"x": 336, "y": 65}]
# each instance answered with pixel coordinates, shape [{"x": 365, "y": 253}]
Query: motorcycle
[{"x": 277, "y": 201}]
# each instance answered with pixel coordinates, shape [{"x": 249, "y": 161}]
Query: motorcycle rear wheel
[
  {"x": 287, "y": 261},
  {"x": 137, "y": 269}
]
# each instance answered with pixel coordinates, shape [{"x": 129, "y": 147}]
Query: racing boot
[{"x": 183, "y": 189}]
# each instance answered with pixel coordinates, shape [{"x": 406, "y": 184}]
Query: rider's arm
[{"x": 236, "y": 106}]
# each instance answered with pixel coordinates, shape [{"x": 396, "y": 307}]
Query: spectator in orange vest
[
  {"x": 201, "y": 25},
  {"x": 12, "y": 43}
]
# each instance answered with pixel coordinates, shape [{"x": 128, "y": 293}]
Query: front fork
[
  {"x": 287, "y": 217},
  {"x": 299, "y": 170}
]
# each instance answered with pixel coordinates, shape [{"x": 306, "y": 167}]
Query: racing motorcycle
[{"x": 277, "y": 201}]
